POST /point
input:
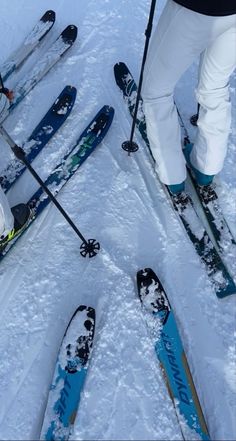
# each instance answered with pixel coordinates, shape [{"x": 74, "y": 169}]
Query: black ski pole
[
  {"x": 131, "y": 146},
  {"x": 89, "y": 247},
  {"x": 1, "y": 82},
  {"x": 186, "y": 135},
  {"x": 194, "y": 118}
]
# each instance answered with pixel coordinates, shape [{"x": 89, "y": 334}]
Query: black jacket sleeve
[{"x": 214, "y": 8}]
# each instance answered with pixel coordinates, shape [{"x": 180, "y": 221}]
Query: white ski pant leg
[
  {"x": 181, "y": 36},
  {"x": 217, "y": 64},
  {"x": 6, "y": 217}
]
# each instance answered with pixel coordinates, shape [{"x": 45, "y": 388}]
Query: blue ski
[
  {"x": 84, "y": 146},
  {"x": 41, "y": 135},
  {"x": 171, "y": 355},
  {"x": 69, "y": 376}
]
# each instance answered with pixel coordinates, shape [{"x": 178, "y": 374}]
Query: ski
[
  {"x": 84, "y": 146},
  {"x": 209, "y": 201},
  {"x": 41, "y": 135},
  {"x": 219, "y": 275},
  {"x": 171, "y": 355},
  {"x": 69, "y": 376},
  {"x": 36, "y": 35},
  {"x": 42, "y": 67}
]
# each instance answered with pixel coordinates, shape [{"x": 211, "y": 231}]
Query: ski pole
[
  {"x": 89, "y": 247},
  {"x": 1, "y": 82},
  {"x": 186, "y": 135},
  {"x": 194, "y": 118},
  {"x": 131, "y": 146}
]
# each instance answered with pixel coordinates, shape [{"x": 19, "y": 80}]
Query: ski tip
[
  {"x": 121, "y": 73},
  {"x": 89, "y": 310},
  {"x": 69, "y": 34},
  {"x": 120, "y": 69},
  {"x": 64, "y": 103},
  {"x": 151, "y": 293},
  {"x": 108, "y": 110},
  {"x": 70, "y": 89},
  {"x": 144, "y": 276},
  {"x": 101, "y": 122},
  {"x": 89, "y": 315},
  {"x": 104, "y": 117},
  {"x": 105, "y": 114},
  {"x": 48, "y": 16},
  {"x": 120, "y": 66}
]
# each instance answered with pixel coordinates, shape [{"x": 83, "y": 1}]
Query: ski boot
[
  {"x": 22, "y": 216},
  {"x": 201, "y": 178}
]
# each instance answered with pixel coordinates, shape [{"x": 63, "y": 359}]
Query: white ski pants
[
  {"x": 6, "y": 217},
  {"x": 181, "y": 36}
]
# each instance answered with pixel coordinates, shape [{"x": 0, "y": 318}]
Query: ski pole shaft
[
  {"x": 186, "y": 135},
  {"x": 148, "y": 35},
  {"x": 19, "y": 153},
  {"x": 1, "y": 82}
]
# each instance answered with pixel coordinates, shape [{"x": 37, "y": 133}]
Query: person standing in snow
[
  {"x": 186, "y": 30},
  {"x": 12, "y": 221}
]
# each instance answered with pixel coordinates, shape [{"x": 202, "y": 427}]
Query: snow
[{"x": 116, "y": 199}]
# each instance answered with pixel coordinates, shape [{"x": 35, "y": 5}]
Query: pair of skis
[
  {"x": 74, "y": 354},
  {"x": 52, "y": 55},
  {"x": 211, "y": 254}
]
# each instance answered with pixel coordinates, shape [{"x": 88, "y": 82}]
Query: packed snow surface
[{"x": 116, "y": 199}]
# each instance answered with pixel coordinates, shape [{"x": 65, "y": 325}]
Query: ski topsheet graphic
[
  {"x": 69, "y": 376},
  {"x": 79, "y": 152},
  {"x": 171, "y": 355},
  {"x": 17, "y": 58},
  {"x": 41, "y": 135}
]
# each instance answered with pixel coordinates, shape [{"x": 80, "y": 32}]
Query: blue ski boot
[{"x": 200, "y": 177}]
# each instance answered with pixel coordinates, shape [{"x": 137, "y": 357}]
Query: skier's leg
[
  {"x": 217, "y": 64},
  {"x": 181, "y": 36},
  {"x": 6, "y": 217}
]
